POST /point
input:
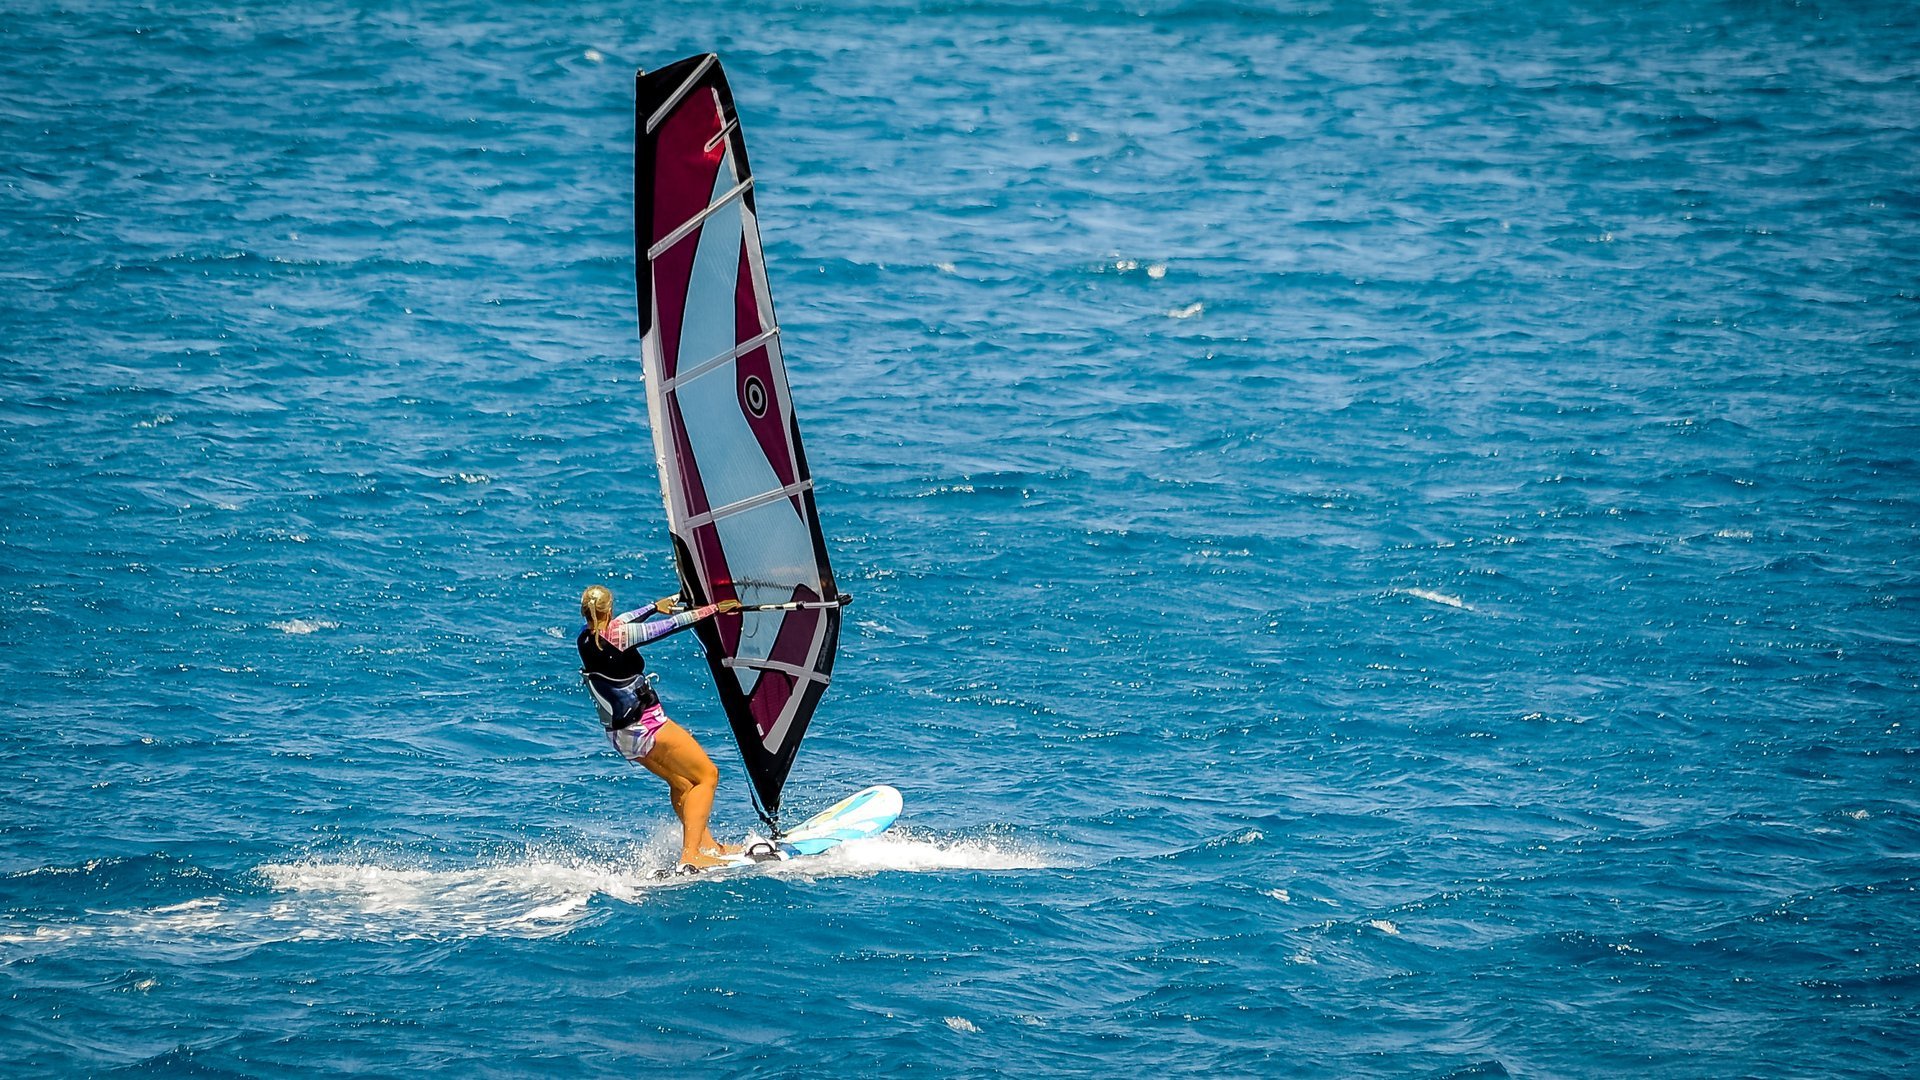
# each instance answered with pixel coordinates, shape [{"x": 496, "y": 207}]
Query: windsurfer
[{"x": 630, "y": 711}]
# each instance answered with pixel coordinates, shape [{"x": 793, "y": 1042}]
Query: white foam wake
[{"x": 534, "y": 896}]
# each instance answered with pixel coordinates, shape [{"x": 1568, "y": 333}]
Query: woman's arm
[{"x": 632, "y": 628}]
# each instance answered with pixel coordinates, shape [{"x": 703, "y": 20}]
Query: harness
[{"x": 621, "y": 701}]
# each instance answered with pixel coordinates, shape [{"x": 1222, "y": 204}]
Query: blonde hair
[{"x": 596, "y": 605}]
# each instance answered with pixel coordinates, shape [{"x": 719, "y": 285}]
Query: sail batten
[
  {"x": 772, "y": 665},
  {"x": 734, "y": 353},
  {"x": 685, "y": 228},
  {"x": 680, "y": 91},
  {"x": 751, "y": 502},
  {"x": 734, "y": 479}
]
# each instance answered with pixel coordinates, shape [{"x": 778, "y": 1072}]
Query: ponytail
[{"x": 596, "y": 606}]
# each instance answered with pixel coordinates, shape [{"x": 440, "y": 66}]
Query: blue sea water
[{"x": 1384, "y": 538}]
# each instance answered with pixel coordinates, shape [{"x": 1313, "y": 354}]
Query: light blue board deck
[{"x": 865, "y": 813}]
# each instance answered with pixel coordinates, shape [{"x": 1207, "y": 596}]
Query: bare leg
[
  {"x": 677, "y": 790},
  {"x": 707, "y": 842},
  {"x": 691, "y": 780}
]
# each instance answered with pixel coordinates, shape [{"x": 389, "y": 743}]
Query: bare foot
[
  {"x": 700, "y": 860},
  {"x": 724, "y": 849}
]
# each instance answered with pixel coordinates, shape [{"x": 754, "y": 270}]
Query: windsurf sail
[{"x": 738, "y": 492}]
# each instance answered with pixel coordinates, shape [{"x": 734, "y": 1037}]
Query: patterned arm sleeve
[{"x": 634, "y": 628}]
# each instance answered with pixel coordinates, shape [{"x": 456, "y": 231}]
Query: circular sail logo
[{"x": 754, "y": 393}]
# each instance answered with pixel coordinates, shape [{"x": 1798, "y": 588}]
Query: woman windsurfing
[{"x": 630, "y": 711}]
